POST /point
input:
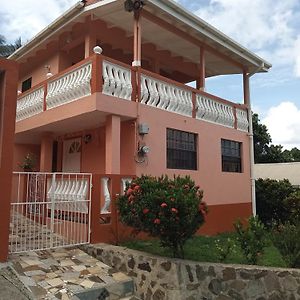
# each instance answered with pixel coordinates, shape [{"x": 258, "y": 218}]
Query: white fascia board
[
  {"x": 71, "y": 14},
  {"x": 177, "y": 11}
]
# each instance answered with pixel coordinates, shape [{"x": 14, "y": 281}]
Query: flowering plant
[
  {"x": 28, "y": 162},
  {"x": 170, "y": 209}
]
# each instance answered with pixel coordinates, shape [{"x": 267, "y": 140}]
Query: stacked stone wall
[{"x": 161, "y": 278}]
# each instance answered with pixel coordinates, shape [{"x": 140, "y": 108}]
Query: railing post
[
  {"x": 194, "y": 112},
  {"x": 52, "y": 198},
  {"x": 235, "y": 117},
  {"x": 95, "y": 209},
  {"x": 96, "y": 79},
  {"x": 134, "y": 84},
  {"x": 45, "y": 96}
]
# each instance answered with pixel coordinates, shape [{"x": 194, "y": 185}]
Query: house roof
[{"x": 193, "y": 32}]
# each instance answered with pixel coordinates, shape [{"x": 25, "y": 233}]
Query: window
[
  {"x": 231, "y": 156},
  {"x": 26, "y": 84},
  {"x": 181, "y": 150}
]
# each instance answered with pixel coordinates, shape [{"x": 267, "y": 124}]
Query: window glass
[{"x": 231, "y": 156}]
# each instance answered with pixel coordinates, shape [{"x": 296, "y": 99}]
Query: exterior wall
[
  {"x": 21, "y": 150},
  {"x": 8, "y": 95},
  {"x": 219, "y": 187}
]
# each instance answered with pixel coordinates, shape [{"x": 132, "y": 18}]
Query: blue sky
[{"x": 270, "y": 28}]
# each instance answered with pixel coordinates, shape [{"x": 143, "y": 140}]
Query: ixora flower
[
  {"x": 174, "y": 210},
  {"x": 164, "y": 204},
  {"x": 156, "y": 221},
  {"x": 129, "y": 191},
  {"x": 145, "y": 211}
]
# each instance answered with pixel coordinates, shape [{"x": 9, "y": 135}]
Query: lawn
[{"x": 203, "y": 248}]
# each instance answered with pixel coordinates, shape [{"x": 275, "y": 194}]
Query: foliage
[
  {"x": 270, "y": 204},
  {"x": 264, "y": 151},
  {"x": 251, "y": 238},
  {"x": 225, "y": 248},
  {"x": 170, "y": 209},
  {"x": 7, "y": 49},
  {"x": 203, "y": 248},
  {"x": 286, "y": 239},
  {"x": 292, "y": 207},
  {"x": 28, "y": 162}
]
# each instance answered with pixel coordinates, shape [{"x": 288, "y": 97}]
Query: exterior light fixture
[
  {"x": 97, "y": 50},
  {"x": 133, "y": 5},
  {"x": 48, "y": 69}
]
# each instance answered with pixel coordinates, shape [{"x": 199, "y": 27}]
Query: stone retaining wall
[{"x": 160, "y": 278}]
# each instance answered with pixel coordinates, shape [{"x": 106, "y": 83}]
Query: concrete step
[{"x": 116, "y": 291}]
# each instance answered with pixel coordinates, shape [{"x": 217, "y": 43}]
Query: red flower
[
  {"x": 145, "y": 211},
  {"x": 174, "y": 210},
  {"x": 164, "y": 204},
  {"x": 156, "y": 221},
  {"x": 129, "y": 191},
  {"x": 131, "y": 198},
  {"x": 172, "y": 199},
  {"x": 136, "y": 188}
]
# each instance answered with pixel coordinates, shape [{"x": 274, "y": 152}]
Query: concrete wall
[{"x": 160, "y": 278}]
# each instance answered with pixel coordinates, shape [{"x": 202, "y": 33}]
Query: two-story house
[{"x": 104, "y": 90}]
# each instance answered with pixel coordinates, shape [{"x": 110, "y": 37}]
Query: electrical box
[{"x": 143, "y": 128}]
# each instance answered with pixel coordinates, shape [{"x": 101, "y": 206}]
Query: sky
[{"x": 269, "y": 28}]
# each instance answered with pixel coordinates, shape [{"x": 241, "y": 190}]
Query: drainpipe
[{"x": 247, "y": 100}]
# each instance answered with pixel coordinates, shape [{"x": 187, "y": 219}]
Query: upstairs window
[
  {"x": 181, "y": 150},
  {"x": 26, "y": 84},
  {"x": 231, "y": 156}
]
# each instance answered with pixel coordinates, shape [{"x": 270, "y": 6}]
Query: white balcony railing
[
  {"x": 116, "y": 80},
  {"x": 166, "y": 96},
  {"x": 31, "y": 104},
  {"x": 213, "y": 111},
  {"x": 69, "y": 87},
  {"x": 242, "y": 120}
]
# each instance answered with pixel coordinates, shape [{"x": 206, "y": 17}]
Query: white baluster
[
  {"x": 124, "y": 182},
  {"x": 106, "y": 194}
]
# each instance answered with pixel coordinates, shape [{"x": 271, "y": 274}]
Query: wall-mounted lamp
[
  {"x": 48, "y": 69},
  {"x": 87, "y": 138},
  {"x": 97, "y": 50}
]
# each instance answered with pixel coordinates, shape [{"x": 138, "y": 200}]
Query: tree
[
  {"x": 264, "y": 151},
  {"x": 7, "y": 49}
]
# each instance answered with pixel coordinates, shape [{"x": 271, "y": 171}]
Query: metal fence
[{"x": 49, "y": 210}]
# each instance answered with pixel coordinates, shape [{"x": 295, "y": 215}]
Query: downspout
[{"x": 251, "y": 140}]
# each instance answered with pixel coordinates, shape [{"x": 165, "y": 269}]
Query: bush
[
  {"x": 251, "y": 238},
  {"x": 225, "y": 248},
  {"x": 170, "y": 209},
  {"x": 286, "y": 239},
  {"x": 292, "y": 207},
  {"x": 270, "y": 195}
]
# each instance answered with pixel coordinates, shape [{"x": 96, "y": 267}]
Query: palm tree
[{"x": 7, "y": 49}]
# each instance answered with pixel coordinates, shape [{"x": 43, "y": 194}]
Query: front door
[{"x": 72, "y": 155}]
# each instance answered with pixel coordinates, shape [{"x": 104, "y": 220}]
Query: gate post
[
  {"x": 8, "y": 99},
  {"x": 52, "y": 198}
]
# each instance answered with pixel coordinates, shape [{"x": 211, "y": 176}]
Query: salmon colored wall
[
  {"x": 38, "y": 71},
  {"x": 93, "y": 153},
  {"x": 128, "y": 147},
  {"x": 219, "y": 187},
  {"x": 21, "y": 150}
]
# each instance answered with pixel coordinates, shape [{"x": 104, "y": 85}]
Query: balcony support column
[
  {"x": 90, "y": 39},
  {"x": 201, "y": 79},
  {"x": 137, "y": 40},
  {"x": 46, "y": 153},
  {"x": 112, "y": 145},
  {"x": 247, "y": 101}
]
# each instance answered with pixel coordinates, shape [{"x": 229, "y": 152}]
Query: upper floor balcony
[{"x": 126, "y": 87}]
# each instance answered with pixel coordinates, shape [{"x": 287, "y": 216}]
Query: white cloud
[
  {"x": 267, "y": 27},
  {"x": 283, "y": 123},
  {"x": 24, "y": 19}
]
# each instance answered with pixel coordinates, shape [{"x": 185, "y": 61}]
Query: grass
[{"x": 203, "y": 248}]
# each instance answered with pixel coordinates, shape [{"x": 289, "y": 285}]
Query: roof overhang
[{"x": 169, "y": 12}]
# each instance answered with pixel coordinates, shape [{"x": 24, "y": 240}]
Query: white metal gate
[{"x": 49, "y": 210}]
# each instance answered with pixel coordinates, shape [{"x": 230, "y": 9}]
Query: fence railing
[
  {"x": 102, "y": 74},
  {"x": 49, "y": 210}
]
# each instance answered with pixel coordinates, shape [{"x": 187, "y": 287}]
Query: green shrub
[
  {"x": 170, "y": 209},
  {"x": 292, "y": 207},
  {"x": 251, "y": 238},
  {"x": 286, "y": 239},
  {"x": 225, "y": 248},
  {"x": 270, "y": 195}
]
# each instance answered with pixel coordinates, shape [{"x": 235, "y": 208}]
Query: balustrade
[
  {"x": 242, "y": 120},
  {"x": 69, "y": 87},
  {"x": 166, "y": 96},
  {"x": 116, "y": 80},
  {"x": 30, "y": 104}
]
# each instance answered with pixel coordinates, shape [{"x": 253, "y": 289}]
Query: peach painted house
[{"x": 124, "y": 108}]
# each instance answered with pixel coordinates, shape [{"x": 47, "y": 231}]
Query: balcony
[{"x": 100, "y": 74}]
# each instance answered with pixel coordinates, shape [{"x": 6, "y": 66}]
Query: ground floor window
[
  {"x": 181, "y": 150},
  {"x": 231, "y": 156}
]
